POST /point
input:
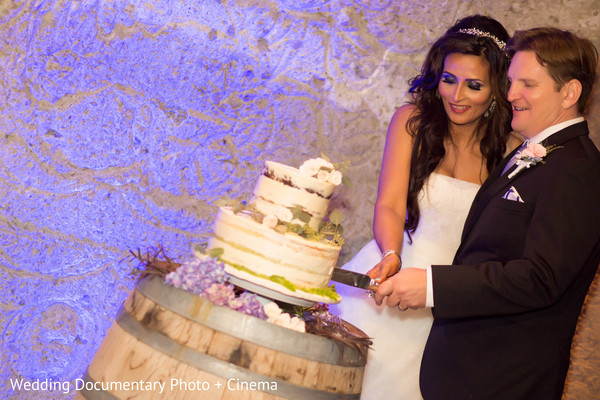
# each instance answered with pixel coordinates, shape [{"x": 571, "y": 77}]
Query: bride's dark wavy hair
[{"x": 429, "y": 125}]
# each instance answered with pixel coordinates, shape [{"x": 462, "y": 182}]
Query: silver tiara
[{"x": 476, "y": 32}]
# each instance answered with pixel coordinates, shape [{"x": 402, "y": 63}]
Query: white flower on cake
[
  {"x": 283, "y": 213},
  {"x": 324, "y": 163},
  {"x": 278, "y": 317},
  {"x": 310, "y": 167},
  {"x": 323, "y": 175},
  {"x": 322, "y": 170},
  {"x": 270, "y": 221},
  {"x": 335, "y": 177}
]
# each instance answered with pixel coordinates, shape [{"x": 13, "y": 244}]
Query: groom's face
[{"x": 535, "y": 101}]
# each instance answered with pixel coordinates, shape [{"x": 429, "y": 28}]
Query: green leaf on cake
[
  {"x": 336, "y": 217},
  {"x": 346, "y": 181},
  {"x": 199, "y": 249},
  {"x": 281, "y": 229},
  {"x": 299, "y": 214},
  {"x": 296, "y": 229}
]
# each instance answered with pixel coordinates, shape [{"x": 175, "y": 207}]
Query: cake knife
[{"x": 353, "y": 279}]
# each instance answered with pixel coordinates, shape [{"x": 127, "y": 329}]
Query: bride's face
[{"x": 465, "y": 88}]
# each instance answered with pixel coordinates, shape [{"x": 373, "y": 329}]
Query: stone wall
[{"x": 123, "y": 122}]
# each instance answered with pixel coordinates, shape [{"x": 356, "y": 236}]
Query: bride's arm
[{"x": 390, "y": 207}]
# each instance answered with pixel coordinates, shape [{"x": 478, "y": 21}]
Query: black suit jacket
[{"x": 505, "y": 312}]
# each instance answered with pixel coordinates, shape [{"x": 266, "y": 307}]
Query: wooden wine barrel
[{"x": 198, "y": 350}]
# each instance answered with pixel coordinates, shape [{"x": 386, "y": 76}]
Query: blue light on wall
[{"x": 122, "y": 123}]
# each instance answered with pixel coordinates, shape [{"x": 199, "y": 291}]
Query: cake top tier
[
  {"x": 307, "y": 189},
  {"x": 316, "y": 175}
]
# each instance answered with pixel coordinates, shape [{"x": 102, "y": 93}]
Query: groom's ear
[{"x": 571, "y": 92}]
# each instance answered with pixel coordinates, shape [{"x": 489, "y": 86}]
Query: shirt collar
[{"x": 546, "y": 133}]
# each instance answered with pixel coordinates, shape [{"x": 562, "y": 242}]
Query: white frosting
[
  {"x": 261, "y": 249},
  {"x": 281, "y": 185}
]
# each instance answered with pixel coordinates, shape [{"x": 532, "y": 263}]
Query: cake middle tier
[
  {"x": 284, "y": 186},
  {"x": 250, "y": 245}
]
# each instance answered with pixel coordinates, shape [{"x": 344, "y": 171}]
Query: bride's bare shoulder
[
  {"x": 401, "y": 117},
  {"x": 405, "y": 111}
]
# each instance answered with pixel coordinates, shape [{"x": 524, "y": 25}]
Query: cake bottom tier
[{"x": 251, "y": 245}]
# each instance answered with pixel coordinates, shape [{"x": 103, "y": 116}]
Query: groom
[{"x": 505, "y": 312}]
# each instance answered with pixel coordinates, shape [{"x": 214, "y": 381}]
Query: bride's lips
[
  {"x": 516, "y": 108},
  {"x": 458, "y": 109}
]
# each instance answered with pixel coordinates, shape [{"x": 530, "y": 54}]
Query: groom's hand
[{"x": 406, "y": 289}]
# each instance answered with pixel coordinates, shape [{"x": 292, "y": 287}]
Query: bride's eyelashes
[
  {"x": 448, "y": 78},
  {"x": 451, "y": 79}
]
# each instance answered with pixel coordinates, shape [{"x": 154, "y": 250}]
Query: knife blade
[{"x": 352, "y": 278}]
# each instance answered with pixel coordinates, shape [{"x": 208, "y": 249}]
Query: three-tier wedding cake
[{"x": 282, "y": 241}]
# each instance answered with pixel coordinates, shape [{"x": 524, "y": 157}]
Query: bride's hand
[{"x": 387, "y": 267}]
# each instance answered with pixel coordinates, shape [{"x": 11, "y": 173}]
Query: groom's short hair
[{"x": 564, "y": 55}]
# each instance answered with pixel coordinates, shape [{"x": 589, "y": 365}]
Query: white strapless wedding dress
[{"x": 399, "y": 338}]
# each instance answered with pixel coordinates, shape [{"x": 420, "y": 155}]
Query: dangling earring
[
  {"x": 490, "y": 110},
  {"x": 437, "y": 94}
]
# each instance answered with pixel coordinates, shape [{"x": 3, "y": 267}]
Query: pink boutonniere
[{"x": 532, "y": 154}]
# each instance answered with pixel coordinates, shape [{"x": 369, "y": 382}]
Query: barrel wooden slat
[
  {"x": 311, "y": 374},
  {"x": 195, "y": 336},
  {"x": 137, "y": 361},
  {"x": 257, "y": 358},
  {"x": 179, "y": 328},
  {"x": 201, "y": 342},
  {"x": 113, "y": 356},
  {"x": 225, "y": 347},
  {"x": 336, "y": 379},
  {"x": 189, "y": 374},
  {"x": 290, "y": 369}
]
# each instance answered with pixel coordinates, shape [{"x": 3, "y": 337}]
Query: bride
[{"x": 439, "y": 149}]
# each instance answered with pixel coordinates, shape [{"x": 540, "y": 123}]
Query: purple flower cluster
[
  {"x": 248, "y": 303},
  {"x": 198, "y": 275},
  {"x": 207, "y": 278}
]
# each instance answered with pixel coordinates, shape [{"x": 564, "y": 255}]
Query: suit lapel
[
  {"x": 481, "y": 198},
  {"x": 497, "y": 181}
]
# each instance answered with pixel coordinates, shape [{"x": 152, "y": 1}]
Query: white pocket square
[{"x": 513, "y": 195}]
